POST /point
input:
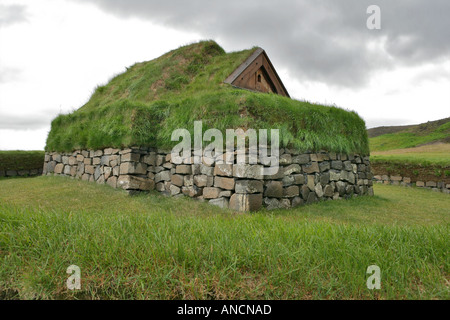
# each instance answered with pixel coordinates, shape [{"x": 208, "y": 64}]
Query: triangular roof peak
[{"x": 257, "y": 73}]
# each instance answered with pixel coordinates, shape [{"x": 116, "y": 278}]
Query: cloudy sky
[{"x": 54, "y": 52}]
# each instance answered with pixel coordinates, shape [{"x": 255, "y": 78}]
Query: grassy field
[
  {"x": 434, "y": 154},
  {"x": 21, "y": 160},
  {"x": 152, "y": 247},
  {"x": 146, "y": 103}
]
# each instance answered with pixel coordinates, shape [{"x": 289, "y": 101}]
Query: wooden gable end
[{"x": 258, "y": 74}]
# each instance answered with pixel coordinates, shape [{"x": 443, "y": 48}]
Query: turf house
[{"x": 122, "y": 135}]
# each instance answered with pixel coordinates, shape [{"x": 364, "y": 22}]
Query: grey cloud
[
  {"x": 322, "y": 40},
  {"x": 11, "y": 14},
  {"x": 24, "y": 122}
]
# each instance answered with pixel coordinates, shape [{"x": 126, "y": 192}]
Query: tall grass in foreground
[{"x": 153, "y": 247}]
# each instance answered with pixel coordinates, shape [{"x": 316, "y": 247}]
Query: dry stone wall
[
  {"x": 406, "y": 182},
  {"x": 21, "y": 173},
  {"x": 302, "y": 178}
]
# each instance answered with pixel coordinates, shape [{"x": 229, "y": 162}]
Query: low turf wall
[
  {"x": 21, "y": 163},
  {"x": 302, "y": 178}
]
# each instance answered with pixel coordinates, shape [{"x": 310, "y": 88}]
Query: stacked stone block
[{"x": 302, "y": 178}]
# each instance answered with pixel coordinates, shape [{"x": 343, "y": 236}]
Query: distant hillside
[
  {"x": 427, "y": 127},
  {"x": 399, "y": 137}
]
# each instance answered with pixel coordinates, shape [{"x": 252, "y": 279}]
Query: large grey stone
[
  {"x": 299, "y": 179},
  {"x": 98, "y": 153},
  {"x": 188, "y": 180},
  {"x": 129, "y": 157},
  {"x": 288, "y": 180},
  {"x": 297, "y": 201},
  {"x": 285, "y": 159},
  {"x": 72, "y": 161},
  {"x": 340, "y": 187},
  {"x": 67, "y": 170},
  {"x": 274, "y": 189},
  {"x": 285, "y": 203},
  {"x": 318, "y": 190},
  {"x": 177, "y": 180},
  {"x": 301, "y": 159},
  {"x": 324, "y": 166},
  {"x": 133, "y": 168},
  {"x": 311, "y": 168},
  {"x": 271, "y": 203},
  {"x": 80, "y": 169},
  {"x": 225, "y": 170},
  {"x": 291, "y": 191},
  {"x": 162, "y": 176},
  {"x": 59, "y": 168},
  {"x": 293, "y": 168},
  {"x": 224, "y": 183},
  {"x": 150, "y": 159},
  {"x": 206, "y": 170},
  {"x": 203, "y": 180},
  {"x": 335, "y": 175},
  {"x": 98, "y": 172},
  {"x": 211, "y": 192},
  {"x": 328, "y": 191},
  {"x": 174, "y": 190},
  {"x": 245, "y": 202},
  {"x": 56, "y": 157},
  {"x": 192, "y": 191},
  {"x": 128, "y": 182},
  {"x": 249, "y": 171},
  {"x": 221, "y": 202},
  {"x": 89, "y": 169},
  {"x": 249, "y": 186},
  {"x": 107, "y": 171},
  {"x": 337, "y": 165},
  {"x": 310, "y": 182},
  {"x": 348, "y": 176},
  {"x": 278, "y": 175},
  {"x": 51, "y": 166},
  {"x": 311, "y": 198},
  {"x": 348, "y": 166},
  {"x": 324, "y": 178},
  {"x": 304, "y": 191},
  {"x": 183, "y": 169},
  {"x": 112, "y": 181}
]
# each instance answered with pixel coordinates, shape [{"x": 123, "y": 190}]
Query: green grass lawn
[{"x": 154, "y": 247}]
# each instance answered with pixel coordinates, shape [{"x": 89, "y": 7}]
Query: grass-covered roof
[{"x": 143, "y": 105}]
